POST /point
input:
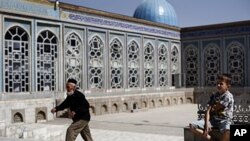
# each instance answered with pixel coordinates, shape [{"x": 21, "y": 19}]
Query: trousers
[{"x": 80, "y": 126}]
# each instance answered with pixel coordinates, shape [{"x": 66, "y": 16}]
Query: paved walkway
[
  {"x": 166, "y": 121},
  {"x": 159, "y": 124}
]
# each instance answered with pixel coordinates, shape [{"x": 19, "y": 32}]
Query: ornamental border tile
[
  {"x": 116, "y": 24},
  {"x": 29, "y": 8},
  {"x": 216, "y": 32}
]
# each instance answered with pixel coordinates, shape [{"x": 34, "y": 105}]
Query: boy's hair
[{"x": 225, "y": 77}]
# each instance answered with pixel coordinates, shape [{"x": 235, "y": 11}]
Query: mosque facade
[
  {"x": 213, "y": 49},
  {"x": 210, "y": 50},
  {"x": 121, "y": 63}
]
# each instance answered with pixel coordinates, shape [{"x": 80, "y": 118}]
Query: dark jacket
[{"x": 77, "y": 103}]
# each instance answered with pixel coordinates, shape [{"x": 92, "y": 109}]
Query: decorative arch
[
  {"x": 116, "y": 64},
  {"x": 168, "y": 101},
  {"x": 99, "y": 36},
  {"x": 212, "y": 63},
  {"x": 236, "y": 63},
  {"x": 133, "y": 52},
  {"x": 18, "y": 117},
  {"x": 163, "y": 65},
  {"x": 16, "y": 60},
  {"x": 181, "y": 100},
  {"x": 104, "y": 109},
  {"x": 115, "y": 108},
  {"x": 175, "y": 54},
  {"x": 191, "y": 65},
  {"x": 135, "y": 105},
  {"x": 40, "y": 116},
  {"x": 20, "y": 26},
  {"x": 55, "y": 36},
  {"x": 96, "y": 63},
  {"x": 73, "y": 58},
  {"x": 116, "y": 39},
  {"x": 76, "y": 34},
  {"x": 160, "y": 102},
  {"x": 153, "y": 103},
  {"x": 148, "y": 54},
  {"x": 92, "y": 110},
  {"x": 125, "y": 106},
  {"x": 144, "y": 104},
  {"x": 134, "y": 41},
  {"x": 175, "y": 101},
  {"x": 46, "y": 57},
  {"x": 189, "y": 100}
]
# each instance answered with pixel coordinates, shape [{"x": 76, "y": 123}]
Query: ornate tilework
[
  {"x": 96, "y": 63},
  {"x": 211, "y": 64},
  {"x": 118, "y": 24},
  {"x": 216, "y": 32},
  {"x": 149, "y": 65},
  {"x": 16, "y": 60},
  {"x": 116, "y": 64},
  {"x": 133, "y": 65},
  {"x": 191, "y": 65},
  {"x": 35, "y": 9},
  {"x": 163, "y": 65},
  {"x": 236, "y": 65},
  {"x": 73, "y": 58},
  {"x": 175, "y": 59}
]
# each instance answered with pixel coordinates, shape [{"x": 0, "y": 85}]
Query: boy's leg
[
  {"x": 225, "y": 136},
  {"x": 197, "y": 128},
  {"x": 74, "y": 129},
  {"x": 225, "y": 133},
  {"x": 85, "y": 133},
  {"x": 199, "y": 132}
]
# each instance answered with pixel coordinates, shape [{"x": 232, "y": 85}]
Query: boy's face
[{"x": 222, "y": 86}]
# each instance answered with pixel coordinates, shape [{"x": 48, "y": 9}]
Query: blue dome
[{"x": 156, "y": 11}]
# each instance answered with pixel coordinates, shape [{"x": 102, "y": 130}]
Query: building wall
[
  {"x": 121, "y": 64},
  {"x": 14, "y": 112},
  {"x": 135, "y": 102},
  {"x": 97, "y": 51},
  {"x": 210, "y": 50}
]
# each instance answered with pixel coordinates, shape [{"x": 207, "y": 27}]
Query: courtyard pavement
[{"x": 159, "y": 124}]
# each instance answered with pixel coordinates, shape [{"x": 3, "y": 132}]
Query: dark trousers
[{"x": 80, "y": 126}]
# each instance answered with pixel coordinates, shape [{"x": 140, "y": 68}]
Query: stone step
[{"x": 37, "y": 132}]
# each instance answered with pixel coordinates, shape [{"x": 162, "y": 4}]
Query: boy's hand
[
  {"x": 207, "y": 129},
  {"x": 217, "y": 107}
]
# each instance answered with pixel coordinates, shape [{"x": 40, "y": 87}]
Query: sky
[{"x": 189, "y": 12}]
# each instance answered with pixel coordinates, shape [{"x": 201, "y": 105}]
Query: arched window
[
  {"x": 96, "y": 63},
  {"x": 16, "y": 60},
  {"x": 191, "y": 65},
  {"x": 116, "y": 64},
  {"x": 211, "y": 64},
  {"x": 163, "y": 66},
  {"x": 236, "y": 63},
  {"x": 73, "y": 58},
  {"x": 175, "y": 60},
  {"x": 133, "y": 65},
  {"x": 46, "y": 61},
  {"x": 148, "y": 65}
]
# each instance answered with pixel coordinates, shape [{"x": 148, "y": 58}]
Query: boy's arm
[
  {"x": 227, "y": 101},
  {"x": 218, "y": 106},
  {"x": 207, "y": 123}
]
